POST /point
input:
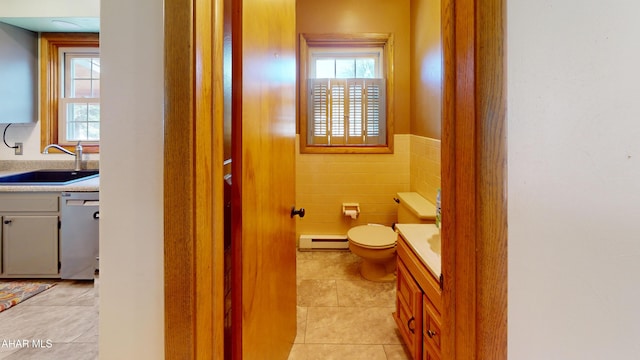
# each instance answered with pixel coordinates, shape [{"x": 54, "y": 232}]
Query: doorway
[{"x": 474, "y": 172}]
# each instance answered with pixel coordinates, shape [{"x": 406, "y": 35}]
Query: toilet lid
[{"x": 373, "y": 236}]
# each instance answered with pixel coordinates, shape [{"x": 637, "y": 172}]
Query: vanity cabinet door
[
  {"x": 30, "y": 245},
  {"x": 431, "y": 329},
  {"x": 408, "y": 314}
]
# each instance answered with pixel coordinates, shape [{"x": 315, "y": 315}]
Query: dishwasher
[{"x": 79, "y": 225}]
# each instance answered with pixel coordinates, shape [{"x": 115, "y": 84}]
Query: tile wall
[
  {"x": 324, "y": 182},
  {"x": 425, "y": 166}
]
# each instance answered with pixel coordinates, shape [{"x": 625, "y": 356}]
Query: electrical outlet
[{"x": 18, "y": 148}]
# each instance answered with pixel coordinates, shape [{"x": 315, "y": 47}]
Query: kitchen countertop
[
  {"x": 424, "y": 240},
  {"x": 84, "y": 185}
]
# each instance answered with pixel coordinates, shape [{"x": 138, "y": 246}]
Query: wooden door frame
[
  {"x": 473, "y": 177},
  {"x": 474, "y": 180},
  {"x": 193, "y": 180}
]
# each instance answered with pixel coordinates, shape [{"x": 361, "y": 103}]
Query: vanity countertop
[
  {"x": 424, "y": 240},
  {"x": 84, "y": 185}
]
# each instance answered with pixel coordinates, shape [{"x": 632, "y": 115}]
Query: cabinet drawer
[
  {"x": 13, "y": 203},
  {"x": 431, "y": 325}
]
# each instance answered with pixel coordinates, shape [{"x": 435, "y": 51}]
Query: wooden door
[{"x": 263, "y": 191}]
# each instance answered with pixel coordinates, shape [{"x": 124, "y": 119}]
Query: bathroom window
[
  {"x": 70, "y": 90},
  {"x": 344, "y": 93}
]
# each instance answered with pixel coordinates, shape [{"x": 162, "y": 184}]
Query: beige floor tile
[
  {"x": 351, "y": 325},
  {"x": 337, "y": 352},
  {"x": 397, "y": 352},
  {"x": 66, "y": 293},
  {"x": 5, "y": 352},
  {"x": 366, "y": 293},
  {"x": 314, "y": 292},
  {"x": 302, "y": 324},
  {"x": 57, "y": 323},
  {"x": 57, "y": 351},
  {"x": 333, "y": 266},
  {"x": 342, "y": 256},
  {"x": 91, "y": 336}
]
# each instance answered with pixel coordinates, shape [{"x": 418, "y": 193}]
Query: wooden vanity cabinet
[{"x": 418, "y": 305}]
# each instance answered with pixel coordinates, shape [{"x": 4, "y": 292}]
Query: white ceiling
[
  {"x": 55, "y": 24},
  {"x": 52, "y": 15}
]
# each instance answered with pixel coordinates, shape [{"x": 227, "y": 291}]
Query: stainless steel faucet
[{"x": 77, "y": 154}]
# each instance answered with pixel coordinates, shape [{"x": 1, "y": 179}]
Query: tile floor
[
  {"x": 340, "y": 314},
  {"x": 64, "y": 316}
]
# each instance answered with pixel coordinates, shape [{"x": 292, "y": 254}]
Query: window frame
[
  {"x": 51, "y": 80},
  {"x": 66, "y": 56},
  {"x": 361, "y": 40}
]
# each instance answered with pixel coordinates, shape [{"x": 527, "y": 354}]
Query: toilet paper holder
[{"x": 351, "y": 210}]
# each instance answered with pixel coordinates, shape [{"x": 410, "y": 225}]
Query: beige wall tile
[
  {"x": 425, "y": 168},
  {"x": 324, "y": 182}
]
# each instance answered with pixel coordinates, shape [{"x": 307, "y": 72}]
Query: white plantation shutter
[
  {"x": 375, "y": 111},
  {"x": 356, "y": 89},
  {"x": 318, "y": 111},
  {"x": 347, "y": 112},
  {"x": 338, "y": 111}
]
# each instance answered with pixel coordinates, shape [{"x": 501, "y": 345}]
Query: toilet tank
[{"x": 414, "y": 209}]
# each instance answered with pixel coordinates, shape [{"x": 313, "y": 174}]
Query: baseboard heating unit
[{"x": 323, "y": 242}]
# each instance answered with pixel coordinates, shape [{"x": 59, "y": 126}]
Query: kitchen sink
[{"x": 48, "y": 177}]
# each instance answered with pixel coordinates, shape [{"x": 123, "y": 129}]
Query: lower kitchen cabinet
[
  {"x": 29, "y": 239},
  {"x": 418, "y": 305},
  {"x": 30, "y": 245}
]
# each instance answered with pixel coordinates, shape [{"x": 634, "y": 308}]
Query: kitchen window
[
  {"x": 344, "y": 93},
  {"x": 79, "y": 105},
  {"x": 70, "y": 90}
]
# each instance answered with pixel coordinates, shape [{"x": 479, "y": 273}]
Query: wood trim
[
  {"x": 238, "y": 180},
  {"x": 50, "y": 83},
  {"x": 386, "y": 41},
  {"x": 491, "y": 184},
  {"x": 474, "y": 181},
  {"x": 193, "y": 180}
]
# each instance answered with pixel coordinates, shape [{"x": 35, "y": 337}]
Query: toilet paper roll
[{"x": 352, "y": 213}]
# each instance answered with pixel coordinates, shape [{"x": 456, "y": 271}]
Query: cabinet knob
[
  {"x": 431, "y": 333},
  {"x": 411, "y": 325},
  {"x": 7, "y": 222}
]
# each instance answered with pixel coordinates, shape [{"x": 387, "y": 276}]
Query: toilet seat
[{"x": 373, "y": 236}]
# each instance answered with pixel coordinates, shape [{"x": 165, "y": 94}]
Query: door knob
[{"x": 295, "y": 212}]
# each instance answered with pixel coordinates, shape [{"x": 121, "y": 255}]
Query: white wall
[
  {"x": 29, "y": 136},
  {"x": 574, "y": 179},
  {"x": 131, "y": 185}
]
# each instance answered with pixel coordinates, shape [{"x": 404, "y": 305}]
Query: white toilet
[{"x": 376, "y": 244}]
